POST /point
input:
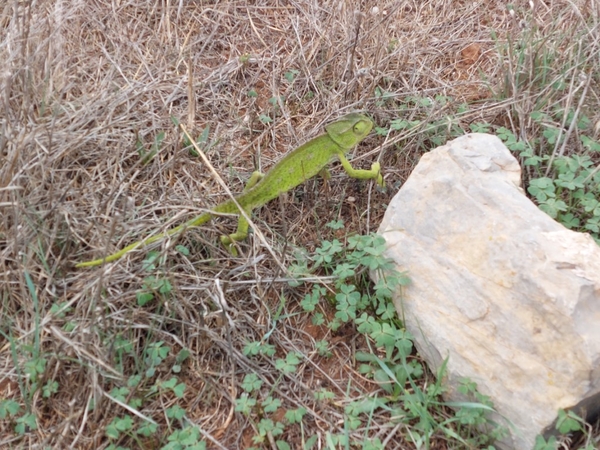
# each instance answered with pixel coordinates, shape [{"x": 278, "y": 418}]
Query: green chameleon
[{"x": 294, "y": 169}]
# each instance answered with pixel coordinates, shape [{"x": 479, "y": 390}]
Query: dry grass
[{"x": 83, "y": 80}]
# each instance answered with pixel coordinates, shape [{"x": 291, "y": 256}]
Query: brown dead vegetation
[{"x": 82, "y": 81}]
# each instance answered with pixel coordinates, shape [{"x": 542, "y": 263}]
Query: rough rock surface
[{"x": 510, "y": 295}]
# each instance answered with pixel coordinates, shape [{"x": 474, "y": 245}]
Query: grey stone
[{"x": 508, "y": 294}]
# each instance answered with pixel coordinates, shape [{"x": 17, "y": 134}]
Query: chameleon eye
[{"x": 359, "y": 127}]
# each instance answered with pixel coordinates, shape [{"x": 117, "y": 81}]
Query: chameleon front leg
[
  {"x": 243, "y": 225},
  {"x": 375, "y": 171}
]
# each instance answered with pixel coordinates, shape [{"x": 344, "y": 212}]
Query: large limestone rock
[{"x": 510, "y": 295}]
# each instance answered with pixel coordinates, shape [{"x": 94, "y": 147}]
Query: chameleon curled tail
[{"x": 292, "y": 170}]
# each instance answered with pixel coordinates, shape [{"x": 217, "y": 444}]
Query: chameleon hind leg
[
  {"x": 243, "y": 225},
  {"x": 241, "y": 233},
  {"x": 375, "y": 171}
]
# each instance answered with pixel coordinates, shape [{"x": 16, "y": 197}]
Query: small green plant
[
  {"x": 119, "y": 425},
  {"x": 183, "y": 354},
  {"x": 264, "y": 118},
  {"x": 148, "y": 155},
  {"x": 543, "y": 444},
  {"x": 288, "y": 364},
  {"x": 567, "y": 188},
  {"x": 259, "y": 348},
  {"x": 155, "y": 354},
  {"x": 187, "y": 438},
  {"x": 567, "y": 422},
  {"x": 322, "y": 348},
  {"x": 245, "y": 58},
  {"x": 251, "y": 382},
  {"x": 202, "y": 141},
  {"x": 295, "y": 415},
  {"x": 291, "y": 74},
  {"x": 155, "y": 284},
  {"x": 173, "y": 385},
  {"x": 9, "y": 408}
]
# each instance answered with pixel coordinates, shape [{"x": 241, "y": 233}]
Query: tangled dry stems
[{"x": 83, "y": 81}]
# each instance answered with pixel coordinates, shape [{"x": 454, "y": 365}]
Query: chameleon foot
[
  {"x": 229, "y": 245},
  {"x": 376, "y": 168}
]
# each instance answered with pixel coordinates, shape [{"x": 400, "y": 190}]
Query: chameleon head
[{"x": 349, "y": 130}]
